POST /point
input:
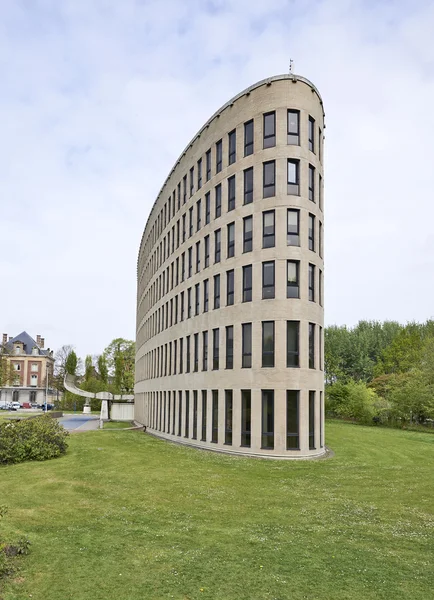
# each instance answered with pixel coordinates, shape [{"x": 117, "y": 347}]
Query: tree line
[{"x": 380, "y": 372}]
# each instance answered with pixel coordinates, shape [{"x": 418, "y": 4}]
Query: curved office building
[{"x": 230, "y": 282}]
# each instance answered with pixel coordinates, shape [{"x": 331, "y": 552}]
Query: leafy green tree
[
  {"x": 120, "y": 357},
  {"x": 102, "y": 368},
  {"x": 89, "y": 370},
  {"x": 71, "y": 363}
]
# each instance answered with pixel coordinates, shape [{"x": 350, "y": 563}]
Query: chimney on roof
[
  {"x": 42, "y": 342},
  {"x": 5, "y": 338},
  {"x": 38, "y": 339}
]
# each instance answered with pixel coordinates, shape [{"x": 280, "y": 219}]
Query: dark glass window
[
  {"x": 181, "y": 355},
  {"x": 232, "y": 138},
  {"x": 218, "y": 156},
  {"x": 215, "y": 349},
  {"x": 187, "y": 414},
  {"x": 320, "y": 287},
  {"x": 205, "y": 295},
  {"x": 184, "y": 189},
  {"x": 248, "y": 138},
  {"x": 199, "y": 173},
  {"x": 196, "y": 352},
  {"x": 247, "y": 234},
  {"x": 189, "y": 303},
  {"x": 217, "y": 245},
  {"x": 179, "y": 412},
  {"x": 248, "y": 185},
  {"x": 268, "y": 286},
  {"x": 268, "y": 343},
  {"x": 231, "y": 239},
  {"x": 269, "y": 179},
  {"x": 206, "y": 251},
  {"x": 311, "y": 282},
  {"x": 246, "y": 419},
  {"x": 216, "y": 291},
  {"x": 215, "y": 417},
  {"x": 205, "y": 351},
  {"x": 293, "y": 127},
  {"x": 218, "y": 200},
  {"x": 196, "y": 299},
  {"x": 190, "y": 262},
  {"x": 267, "y": 439},
  {"x": 194, "y": 436},
  {"x": 311, "y": 232},
  {"x": 179, "y": 196},
  {"x": 182, "y": 307},
  {"x": 247, "y": 283},
  {"x": 204, "y": 407},
  {"x": 311, "y": 420},
  {"x": 293, "y": 184},
  {"x": 197, "y": 257},
  {"x": 187, "y": 354},
  {"x": 320, "y": 191},
  {"x": 293, "y": 279},
  {"x": 292, "y": 420},
  {"x": 177, "y": 233},
  {"x": 320, "y": 238},
  {"x": 293, "y": 227},
  {"x": 231, "y": 193},
  {"x": 269, "y": 129},
  {"x": 319, "y": 148},
  {"x": 312, "y": 183},
  {"x": 268, "y": 229},
  {"x": 311, "y": 134},
  {"x": 292, "y": 343},
  {"x": 184, "y": 231},
  {"x": 320, "y": 348},
  {"x": 246, "y": 349},
  {"x": 190, "y": 222},
  {"x": 198, "y": 215},
  {"x": 230, "y": 288},
  {"x": 191, "y": 181},
  {"x": 229, "y": 347},
  {"x": 228, "y": 417},
  {"x": 208, "y": 164},
  {"x": 311, "y": 345},
  {"x": 207, "y": 207}
]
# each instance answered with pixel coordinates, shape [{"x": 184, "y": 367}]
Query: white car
[{"x": 15, "y": 405}]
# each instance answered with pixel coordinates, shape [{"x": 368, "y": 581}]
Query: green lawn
[
  {"x": 125, "y": 516},
  {"x": 118, "y": 424}
]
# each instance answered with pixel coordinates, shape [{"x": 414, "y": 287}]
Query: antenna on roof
[{"x": 291, "y": 66}]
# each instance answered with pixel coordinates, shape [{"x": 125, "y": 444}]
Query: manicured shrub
[{"x": 41, "y": 438}]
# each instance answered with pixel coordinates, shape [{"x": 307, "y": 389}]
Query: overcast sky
[{"x": 99, "y": 97}]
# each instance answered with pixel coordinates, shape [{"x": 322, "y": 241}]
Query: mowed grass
[{"x": 126, "y": 516}]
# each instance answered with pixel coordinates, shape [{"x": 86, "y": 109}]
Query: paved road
[{"x": 79, "y": 422}]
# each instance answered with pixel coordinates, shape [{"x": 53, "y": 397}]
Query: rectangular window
[
  {"x": 320, "y": 191},
  {"x": 196, "y": 299},
  {"x": 248, "y": 185},
  {"x": 190, "y": 222},
  {"x": 182, "y": 307},
  {"x": 198, "y": 215},
  {"x": 229, "y": 347},
  {"x": 231, "y": 193},
  {"x": 216, "y": 291},
  {"x": 268, "y": 343},
  {"x": 218, "y": 156},
  {"x": 247, "y": 234},
  {"x": 268, "y": 229},
  {"x": 228, "y": 417},
  {"x": 320, "y": 348},
  {"x": 217, "y": 245},
  {"x": 311, "y": 134},
  {"x": 292, "y": 420},
  {"x": 205, "y": 295},
  {"x": 194, "y": 436},
  {"x": 321, "y": 412},
  {"x": 293, "y": 279},
  {"x": 293, "y": 227},
  {"x": 199, "y": 173},
  {"x": 312, "y": 183},
  {"x": 204, "y": 407},
  {"x": 184, "y": 230},
  {"x": 293, "y": 127},
  {"x": 269, "y": 130},
  {"x": 267, "y": 438},
  {"x": 268, "y": 286},
  {"x": 207, "y": 207},
  {"x": 246, "y": 349},
  {"x": 293, "y": 184},
  {"x": 191, "y": 181},
  {"x": 311, "y": 420},
  {"x": 215, "y": 417},
  {"x": 311, "y": 282},
  {"x": 320, "y": 238},
  {"x": 247, "y": 283},
  {"x": 189, "y": 303},
  {"x": 197, "y": 257},
  {"x": 205, "y": 351},
  {"x": 319, "y": 148},
  {"x": 232, "y": 138},
  {"x": 218, "y": 200},
  {"x": 181, "y": 355},
  {"x": 187, "y": 414},
  {"x": 292, "y": 343},
  {"x": 177, "y": 232},
  {"x": 320, "y": 299},
  {"x": 248, "y": 138},
  {"x": 215, "y": 349},
  {"x": 269, "y": 179},
  {"x": 208, "y": 164},
  {"x": 231, "y": 239},
  {"x": 190, "y": 262},
  {"x": 184, "y": 189},
  {"x": 229, "y": 288},
  {"x": 206, "y": 251},
  {"x": 187, "y": 353},
  {"x": 311, "y": 232},
  {"x": 175, "y": 355},
  {"x": 179, "y": 412},
  {"x": 179, "y": 196},
  {"x": 246, "y": 418},
  {"x": 311, "y": 345},
  {"x": 196, "y": 352}
]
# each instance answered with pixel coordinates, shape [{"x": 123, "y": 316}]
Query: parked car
[
  {"x": 15, "y": 406},
  {"x": 26, "y": 405}
]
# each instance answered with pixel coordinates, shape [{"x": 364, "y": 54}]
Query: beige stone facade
[{"x": 263, "y": 398}]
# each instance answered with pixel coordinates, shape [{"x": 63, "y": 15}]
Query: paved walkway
[{"x": 80, "y": 422}]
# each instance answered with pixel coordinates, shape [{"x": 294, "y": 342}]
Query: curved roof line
[{"x": 267, "y": 81}]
